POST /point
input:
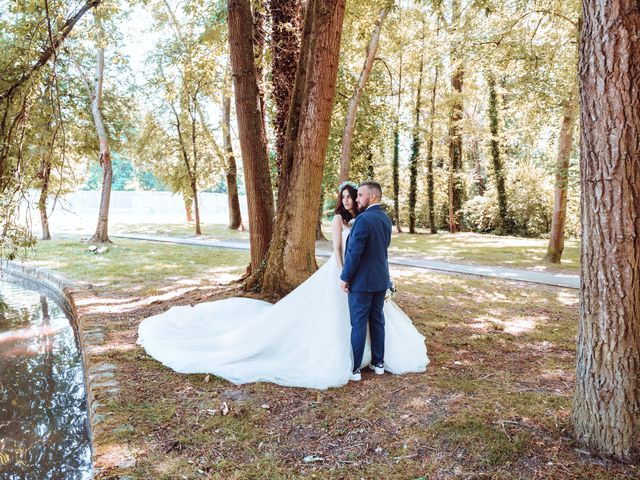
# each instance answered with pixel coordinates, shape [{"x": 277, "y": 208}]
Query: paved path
[{"x": 545, "y": 278}]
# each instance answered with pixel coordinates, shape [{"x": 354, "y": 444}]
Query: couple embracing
[{"x": 318, "y": 336}]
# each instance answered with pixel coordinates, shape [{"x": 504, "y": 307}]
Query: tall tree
[
  {"x": 235, "y": 216},
  {"x": 293, "y": 243},
  {"x": 432, "y": 112},
  {"x": 350, "y": 120},
  {"x": 253, "y": 143},
  {"x": 498, "y": 169},
  {"x": 456, "y": 186},
  {"x": 606, "y": 404},
  {"x": 395, "y": 162},
  {"x": 565, "y": 144},
  {"x": 101, "y": 234},
  {"x": 415, "y": 154}
]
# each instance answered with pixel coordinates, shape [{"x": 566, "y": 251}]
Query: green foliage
[{"x": 530, "y": 206}]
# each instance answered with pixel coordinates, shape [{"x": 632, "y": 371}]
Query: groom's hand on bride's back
[{"x": 344, "y": 286}]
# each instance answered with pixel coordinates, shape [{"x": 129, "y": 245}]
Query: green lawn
[
  {"x": 136, "y": 266},
  {"x": 515, "y": 252}
]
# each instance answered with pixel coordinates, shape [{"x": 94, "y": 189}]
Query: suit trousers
[{"x": 365, "y": 309}]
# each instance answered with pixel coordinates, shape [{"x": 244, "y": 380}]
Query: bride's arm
[{"x": 336, "y": 237}]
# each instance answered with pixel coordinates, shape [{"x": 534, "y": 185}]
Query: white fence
[{"x": 79, "y": 210}]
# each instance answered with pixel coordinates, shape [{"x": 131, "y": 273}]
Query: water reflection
[{"x": 43, "y": 418}]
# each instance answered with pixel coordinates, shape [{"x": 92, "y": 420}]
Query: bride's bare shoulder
[{"x": 337, "y": 219}]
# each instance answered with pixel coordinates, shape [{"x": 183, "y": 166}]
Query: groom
[{"x": 365, "y": 276}]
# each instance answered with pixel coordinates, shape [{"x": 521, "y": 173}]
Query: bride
[{"x": 302, "y": 341}]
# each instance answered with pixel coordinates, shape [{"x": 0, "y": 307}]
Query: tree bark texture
[
  {"x": 415, "y": 155},
  {"x": 101, "y": 234},
  {"x": 253, "y": 145},
  {"x": 456, "y": 186},
  {"x": 556, "y": 238},
  {"x": 354, "y": 101},
  {"x": 235, "y": 216},
  {"x": 606, "y": 404},
  {"x": 292, "y": 253},
  {"x": 286, "y": 34},
  {"x": 259, "y": 13},
  {"x": 498, "y": 170}
]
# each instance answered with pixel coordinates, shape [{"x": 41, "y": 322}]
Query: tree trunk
[
  {"x": 286, "y": 33},
  {"x": 293, "y": 243},
  {"x": 395, "y": 167},
  {"x": 188, "y": 207},
  {"x": 415, "y": 154},
  {"x": 319, "y": 234},
  {"x": 193, "y": 171},
  {"x": 430, "y": 190},
  {"x": 235, "y": 216},
  {"x": 350, "y": 120},
  {"x": 102, "y": 230},
  {"x": 456, "y": 187},
  {"x": 259, "y": 16},
  {"x": 478, "y": 170},
  {"x": 45, "y": 175},
  {"x": 196, "y": 207},
  {"x": 253, "y": 145},
  {"x": 498, "y": 170},
  {"x": 606, "y": 404},
  {"x": 556, "y": 238}
]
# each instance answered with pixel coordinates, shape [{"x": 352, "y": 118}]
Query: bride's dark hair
[{"x": 343, "y": 212}]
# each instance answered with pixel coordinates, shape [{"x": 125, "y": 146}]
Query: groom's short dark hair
[{"x": 375, "y": 186}]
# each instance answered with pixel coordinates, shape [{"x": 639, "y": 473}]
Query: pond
[{"x": 44, "y": 431}]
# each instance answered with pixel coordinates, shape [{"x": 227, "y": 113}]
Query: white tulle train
[{"x": 303, "y": 340}]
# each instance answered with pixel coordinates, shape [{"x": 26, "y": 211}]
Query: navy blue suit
[{"x": 366, "y": 270}]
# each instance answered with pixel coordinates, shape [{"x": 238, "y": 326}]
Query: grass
[
  {"x": 494, "y": 403},
  {"x": 138, "y": 267},
  {"x": 463, "y": 247}
]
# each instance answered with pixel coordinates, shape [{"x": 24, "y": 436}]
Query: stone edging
[{"x": 97, "y": 376}]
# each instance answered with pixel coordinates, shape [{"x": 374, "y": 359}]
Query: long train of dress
[{"x": 303, "y": 340}]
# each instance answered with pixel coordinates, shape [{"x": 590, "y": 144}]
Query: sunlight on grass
[{"x": 137, "y": 266}]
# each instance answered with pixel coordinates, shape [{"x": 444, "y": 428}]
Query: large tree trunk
[
  {"x": 259, "y": 13},
  {"x": 235, "y": 217},
  {"x": 606, "y": 404},
  {"x": 102, "y": 229},
  {"x": 498, "y": 170},
  {"x": 350, "y": 120},
  {"x": 253, "y": 144},
  {"x": 456, "y": 186},
  {"x": 430, "y": 188},
  {"x": 556, "y": 239},
  {"x": 415, "y": 154},
  {"x": 286, "y": 33},
  {"x": 292, "y": 254}
]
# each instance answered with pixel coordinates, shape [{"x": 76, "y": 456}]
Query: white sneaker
[
  {"x": 355, "y": 376},
  {"x": 379, "y": 368}
]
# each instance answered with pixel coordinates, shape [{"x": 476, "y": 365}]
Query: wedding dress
[{"x": 303, "y": 340}]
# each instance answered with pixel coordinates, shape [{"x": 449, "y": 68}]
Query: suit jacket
[{"x": 366, "y": 264}]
